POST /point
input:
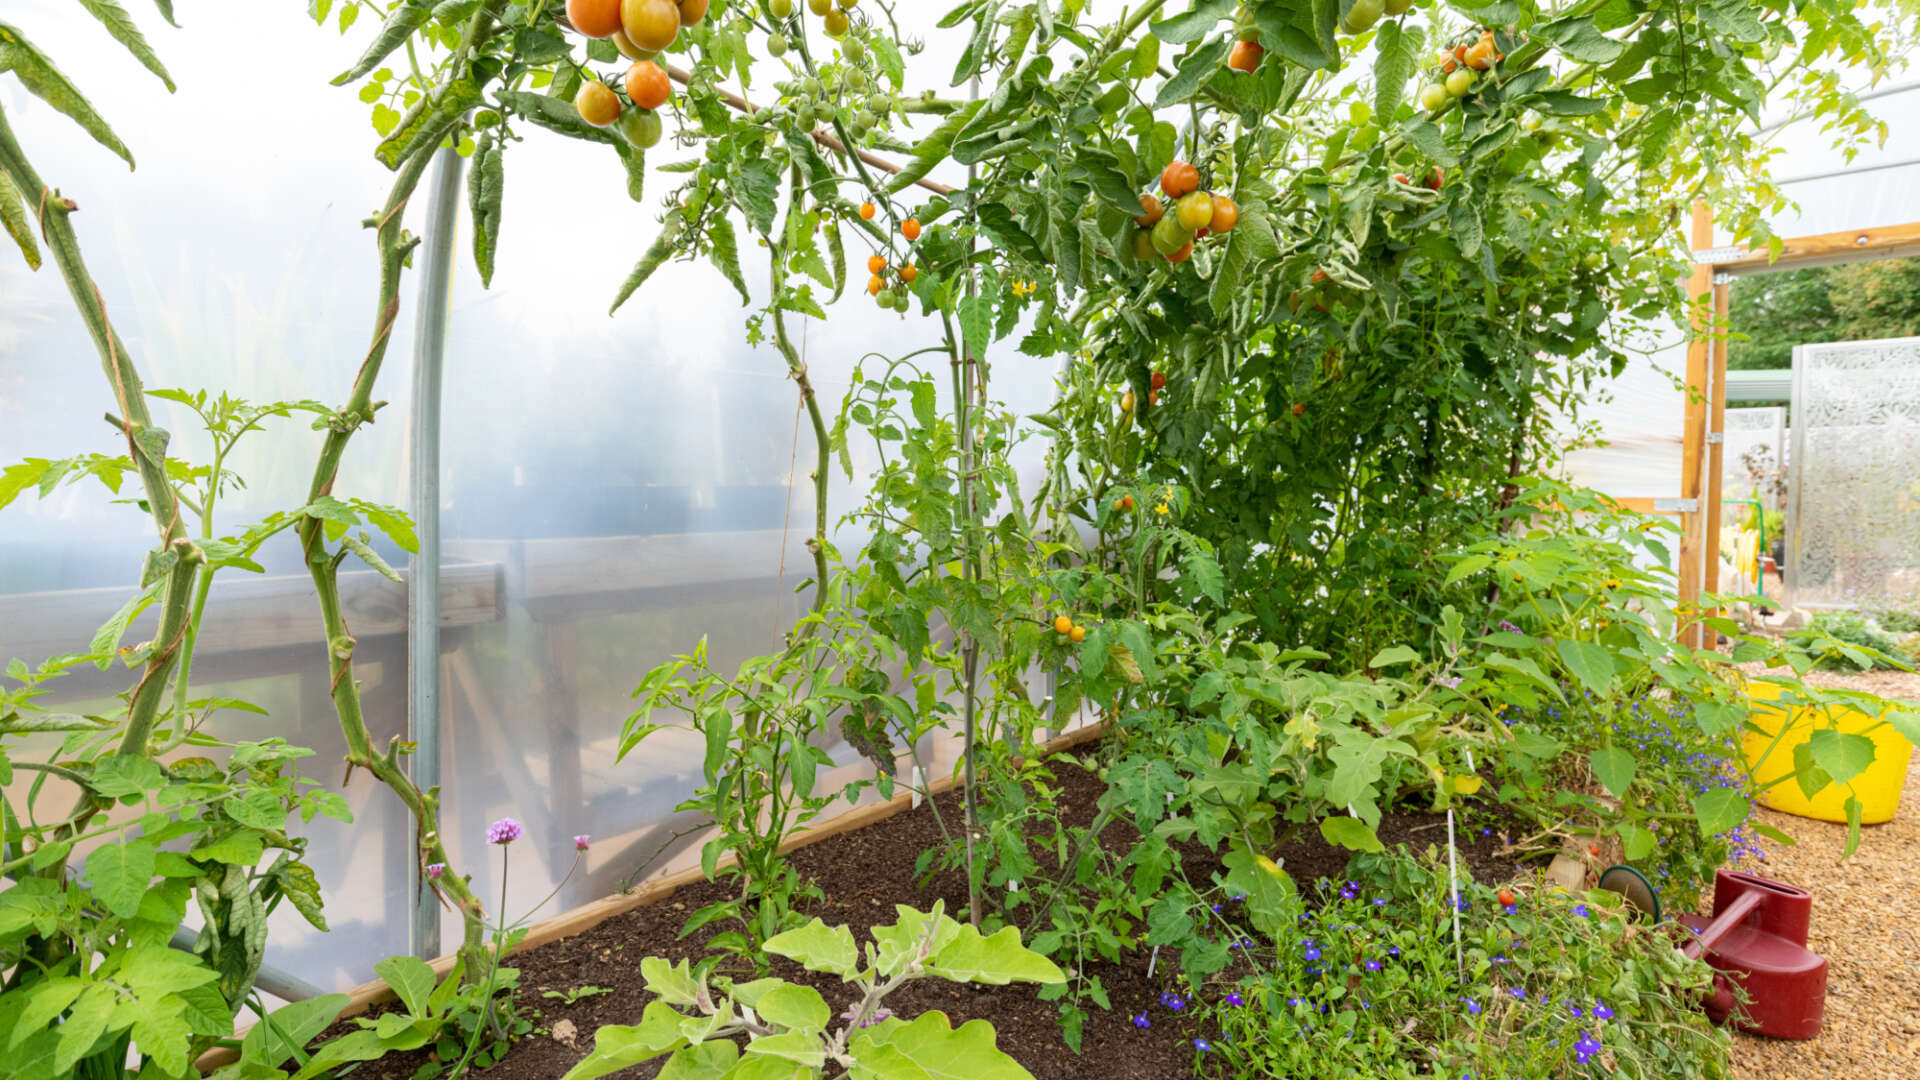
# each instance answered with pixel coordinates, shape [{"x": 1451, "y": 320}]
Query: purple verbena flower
[
  {"x": 1140, "y": 1021},
  {"x": 1233, "y": 998},
  {"x": 504, "y": 831},
  {"x": 1601, "y": 1012},
  {"x": 582, "y": 842},
  {"x": 1518, "y": 993},
  {"x": 1473, "y": 1007},
  {"x": 1203, "y": 1046},
  {"x": 1580, "y": 910}
]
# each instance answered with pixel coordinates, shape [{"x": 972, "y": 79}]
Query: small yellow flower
[
  {"x": 1161, "y": 509},
  {"x": 1613, "y": 583}
]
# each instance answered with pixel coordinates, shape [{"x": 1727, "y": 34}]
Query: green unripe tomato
[
  {"x": 902, "y": 300},
  {"x": 884, "y": 298},
  {"x": 1195, "y": 212},
  {"x": 804, "y": 115},
  {"x": 1460, "y": 82},
  {"x": 1169, "y": 236},
  {"x": 853, "y": 50},
  {"x": 811, "y": 85},
  {"x": 856, "y": 79},
  {"x": 880, "y": 104},
  {"x": 781, "y": 9},
  {"x": 1398, "y": 7},
  {"x": 1362, "y": 15},
  {"x": 1530, "y": 122},
  {"x": 642, "y": 127},
  {"x": 777, "y": 45},
  {"x": 1143, "y": 244},
  {"x": 1432, "y": 96}
]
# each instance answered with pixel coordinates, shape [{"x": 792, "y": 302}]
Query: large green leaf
[
  {"x": 1719, "y": 810},
  {"x": 1614, "y": 768},
  {"x": 818, "y": 947},
  {"x": 38, "y": 75},
  {"x": 621, "y": 1046},
  {"x": 412, "y": 981},
  {"x": 996, "y": 960},
  {"x": 119, "y": 875},
  {"x": 1192, "y": 25},
  {"x": 1197, "y": 65},
  {"x": 1350, "y": 833},
  {"x": 930, "y": 1048},
  {"x": 400, "y": 25},
  {"x": 1843, "y": 756},
  {"x": 1591, "y": 664},
  {"x": 1395, "y": 60}
]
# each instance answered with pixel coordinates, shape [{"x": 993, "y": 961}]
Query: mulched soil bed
[{"x": 863, "y": 874}]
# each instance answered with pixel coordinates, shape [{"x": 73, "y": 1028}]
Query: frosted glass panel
[{"x": 1854, "y": 530}]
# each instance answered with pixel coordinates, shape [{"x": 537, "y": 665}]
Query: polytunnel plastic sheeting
[
  {"x": 234, "y": 258},
  {"x": 632, "y": 484},
  {"x": 613, "y": 488},
  {"x": 1630, "y": 427},
  {"x": 1875, "y": 188}
]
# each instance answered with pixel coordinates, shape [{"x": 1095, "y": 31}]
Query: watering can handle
[{"x": 1735, "y": 914}]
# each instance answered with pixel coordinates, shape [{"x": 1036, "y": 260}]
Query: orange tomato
[
  {"x": 692, "y": 11},
  {"x": 1179, "y": 178},
  {"x": 876, "y": 265},
  {"x": 594, "y": 18},
  {"x": 875, "y": 284},
  {"x": 1245, "y": 55},
  {"x": 1151, "y": 211},
  {"x": 867, "y": 211},
  {"x": 648, "y": 85},
  {"x": 1062, "y": 625},
  {"x": 1299, "y": 408},
  {"x": 908, "y": 273},
  {"x": 1226, "y": 214},
  {"x": 1185, "y": 253},
  {"x": 598, "y": 105},
  {"x": 1078, "y": 634},
  {"x": 1480, "y": 57},
  {"x": 910, "y": 228},
  {"x": 652, "y": 24}
]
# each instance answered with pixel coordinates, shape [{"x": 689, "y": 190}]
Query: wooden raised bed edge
[{"x": 593, "y": 913}]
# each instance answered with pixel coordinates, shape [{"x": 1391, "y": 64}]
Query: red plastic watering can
[{"x": 1757, "y": 940}]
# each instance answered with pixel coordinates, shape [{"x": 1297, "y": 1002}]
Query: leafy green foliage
[
  {"x": 1364, "y": 979},
  {"x": 792, "y": 1025}
]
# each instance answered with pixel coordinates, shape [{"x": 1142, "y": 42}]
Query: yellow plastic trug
[{"x": 1878, "y": 788}]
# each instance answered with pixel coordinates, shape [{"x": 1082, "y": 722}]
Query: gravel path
[{"x": 1866, "y": 922}]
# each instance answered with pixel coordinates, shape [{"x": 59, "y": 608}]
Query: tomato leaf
[
  {"x": 45, "y": 81},
  {"x": 14, "y": 217},
  {"x": 399, "y": 26},
  {"x": 656, "y": 254},
  {"x": 486, "y": 184},
  {"x": 726, "y": 254},
  {"x": 121, "y": 26},
  {"x": 1198, "y": 64},
  {"x": 1194, "y": 25},
  {"x": 1393, "y": 65}
]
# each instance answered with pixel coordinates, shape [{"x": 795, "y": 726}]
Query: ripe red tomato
[
  {"x": 1506, "y": 898},
  {"x": 1158, "y": 380},
  {"x": 1437, "y": 179}
]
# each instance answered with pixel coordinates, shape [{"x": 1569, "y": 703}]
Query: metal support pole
[{"x": 423, "y": 568}]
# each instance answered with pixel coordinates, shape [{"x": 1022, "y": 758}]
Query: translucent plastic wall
[
  {"x": 1853, "y": 533},
  {"x": 613, "y": 488}
]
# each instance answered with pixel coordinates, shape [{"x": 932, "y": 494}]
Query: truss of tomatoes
[{"x": 1195, "y": 214}]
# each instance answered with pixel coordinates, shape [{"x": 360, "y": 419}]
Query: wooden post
[
  {"x": 1691, "y": 521},
  {"x": 1717, "y": 433}
]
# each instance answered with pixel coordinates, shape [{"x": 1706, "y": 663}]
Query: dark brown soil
[{"x": 863, "y": 874}]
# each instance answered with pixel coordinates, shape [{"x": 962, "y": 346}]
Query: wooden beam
[
  {"x": 1717, "y": 433},
  {"x": 1691, "y": 524},
  {"x": 1825, "y": 249}
]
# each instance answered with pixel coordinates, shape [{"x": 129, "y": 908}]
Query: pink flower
[
  {"x": 435, "y": 871},
  {"x": 504, "y": 831},
  {"x": 581, "y": 842}
]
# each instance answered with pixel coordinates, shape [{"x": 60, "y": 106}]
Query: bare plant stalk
[{"x": 146, "y": 445}]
